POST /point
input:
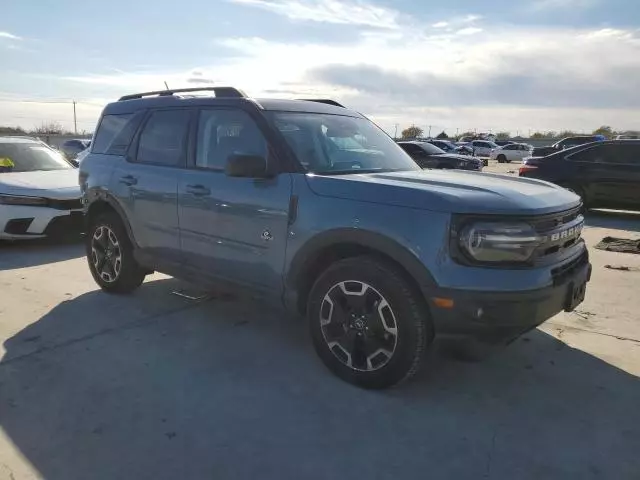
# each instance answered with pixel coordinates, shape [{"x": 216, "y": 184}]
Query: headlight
[
  {"x": 20, "y": 200},
  {"x": 489, "y": 242}
]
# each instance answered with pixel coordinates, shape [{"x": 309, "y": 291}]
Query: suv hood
[
  {"x": 453, "y": 191},
  {"x": 55, "y": 184}
]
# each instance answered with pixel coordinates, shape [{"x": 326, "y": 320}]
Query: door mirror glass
[{"x": 247, "y": 166}]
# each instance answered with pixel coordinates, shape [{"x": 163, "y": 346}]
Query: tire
[
  {"x": 336, "y": 311},
  {"x": 501, "y": 159},
  {"x": 117, "y": 271}
]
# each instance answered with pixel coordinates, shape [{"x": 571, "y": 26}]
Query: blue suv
[{"x": 312, "y": 206}]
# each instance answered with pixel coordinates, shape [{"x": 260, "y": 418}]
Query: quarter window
[{"x": 114, "y": 134}]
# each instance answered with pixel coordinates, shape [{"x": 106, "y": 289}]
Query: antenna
[{"x": 166, "y": 86}]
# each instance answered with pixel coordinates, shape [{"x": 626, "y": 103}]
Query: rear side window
[
  {"x": 163, "y": 138},
  {"x": 115, "y": 133}
]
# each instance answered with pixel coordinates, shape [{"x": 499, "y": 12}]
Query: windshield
[
  {"x": 431, "y": 149},
  {"x": 334, "y": 144},
  {"x": 30, "y": 157}
]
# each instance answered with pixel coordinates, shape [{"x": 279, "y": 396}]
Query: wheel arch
[
  {"x": 106, "y": 203},
  {"x": 328, "y": 247}
]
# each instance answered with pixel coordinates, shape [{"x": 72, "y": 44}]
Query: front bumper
[
  {"x": 27, "y": 222},
  {"x": 499, "y": 318}
]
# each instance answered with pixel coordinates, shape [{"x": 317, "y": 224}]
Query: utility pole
[
  {"x": 395, "y": 135},
  {"x": 75, "y": 121},
  {"x": 429, "y": 131}
]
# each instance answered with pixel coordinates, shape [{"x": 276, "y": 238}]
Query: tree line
[
  {"x": 607, "y": 131},
  {"x": 46, "y": 128}
]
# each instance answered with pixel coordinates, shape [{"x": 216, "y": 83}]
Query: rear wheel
[
  {"x": 502, "y": 159},
  {"x": 110, "y": 255},
  {"x": 367, "y": 323}
]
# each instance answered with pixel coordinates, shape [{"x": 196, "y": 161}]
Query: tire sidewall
[{"x": 414, "y": 329}]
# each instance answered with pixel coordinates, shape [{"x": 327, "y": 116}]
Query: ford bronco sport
[{"x": 312, "y": 205}]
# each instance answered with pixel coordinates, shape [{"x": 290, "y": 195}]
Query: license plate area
[{"x": 576, "y": 293}]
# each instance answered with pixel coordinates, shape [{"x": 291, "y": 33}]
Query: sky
[{"x": 453, "y": 65}]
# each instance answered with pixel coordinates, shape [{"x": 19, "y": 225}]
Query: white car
[
  {"x": 482, "y": 148},
  {"x": 39, "y": 191},
  {"x": 512, "y": 152}
]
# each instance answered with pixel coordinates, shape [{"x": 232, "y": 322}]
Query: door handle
[
  {"x": 198, "y": 190},
  {"x": 129, "y": 180}
]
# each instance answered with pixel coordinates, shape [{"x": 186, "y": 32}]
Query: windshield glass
[
  {"x": 431, "y": 149},
  {"x": 30, "y": 157},
  {"x": 334, "y": 144}
]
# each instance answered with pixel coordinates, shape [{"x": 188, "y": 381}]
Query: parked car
[
  {"x": 483, "y": 148},
  {"x": 604, "y": 174},
  {"x": 71, "y": 148},
  {"x": 427, "y": 155},
  {"x": 512, "y": 152},
  {"x": 444, "y": 145},
  {"x": 310, "y": 205},
  {"x": 628, "y": 136},
  {"x": 502, "y": 143},
  {"x": 565, "y": 143},
  {"x": 39, "y": 192}
]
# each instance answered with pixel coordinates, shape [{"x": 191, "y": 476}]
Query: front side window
[
  {"x": 163, "y": 138},
  {"x": 222, "y": 133},
  {"x": 336, "y": 144},
  {"x": 30, "y": 157}
]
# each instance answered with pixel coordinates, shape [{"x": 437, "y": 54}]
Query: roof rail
[
  {"x": 322, "y": 100},
  {"x": 228, "y": 92}
]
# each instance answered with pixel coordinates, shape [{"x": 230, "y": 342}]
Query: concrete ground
[{"x": 160, "y": 386}]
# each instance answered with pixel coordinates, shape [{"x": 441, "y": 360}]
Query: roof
[{"x": 135, "y": 102}]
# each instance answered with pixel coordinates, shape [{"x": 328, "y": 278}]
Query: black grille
[
  {"x": 566, "y": 270},
  {"x": 75, "y": 204},
  {"x": 548, "y": 223},
  {"x": 18, "y": 226},
  {"x": 67, "y": 225}
]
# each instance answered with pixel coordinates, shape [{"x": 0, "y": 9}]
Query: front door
[
  {"x": 233, "y": 229},
  {"x": 146, "y": 183}
]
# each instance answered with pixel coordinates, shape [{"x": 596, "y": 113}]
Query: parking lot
[{"x": 174, "y": 382}]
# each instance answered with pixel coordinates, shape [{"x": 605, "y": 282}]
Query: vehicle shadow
[
  {"x": 22, "y": 254},
  {"x": 160, "y": 386},
  {"x": 615, "y": 219}
]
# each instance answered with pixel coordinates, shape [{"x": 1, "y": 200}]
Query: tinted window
[
  {"x": 509, "y": 147},
  {"x": 431, "y": 149},
  {"x": 222, "y": 133},
  {"x": 411, "y": 149},
  {"x": 163, "y": 138},
  {"x": 110, "y": 128}
]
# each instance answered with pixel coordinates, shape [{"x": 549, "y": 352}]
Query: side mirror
[{"x": 247, "y": 166}]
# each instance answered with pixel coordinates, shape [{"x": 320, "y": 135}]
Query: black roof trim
[
  {"x": 228, "y": 92},
  {"x": 323, "y": 100}
]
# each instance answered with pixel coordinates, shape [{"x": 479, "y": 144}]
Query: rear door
[
  {"x": 608, "y": 174},
  {"x": 146, "y": 183}
]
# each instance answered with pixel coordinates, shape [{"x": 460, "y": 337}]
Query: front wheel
[
  {"x": 502, "y": 159},
  {"x": 368, "y": 325},
  {"x": 110, "y": 255}
]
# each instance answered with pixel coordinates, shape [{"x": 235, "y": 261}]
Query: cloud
[
  {"x": 329, "y": 11},
  {"x": 9, "y": 36},
  {"x": 440, "y": 25},
  {"x": 468, "y": 31},
  {"x": 540, "y": 5},
  {"x": 528, "y": 77}
]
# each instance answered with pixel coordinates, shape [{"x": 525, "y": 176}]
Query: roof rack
[
  {"x": 322, "y": 100},
  {"x": 229, "y": 92}
]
